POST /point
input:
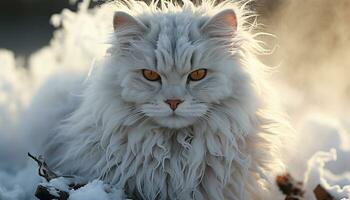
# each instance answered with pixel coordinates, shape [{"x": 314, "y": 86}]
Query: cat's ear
[
  {"x": 122, "y": 21},
  {"x": 223, "y": 24}
]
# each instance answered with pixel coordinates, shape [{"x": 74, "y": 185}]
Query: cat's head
[{"x": 176, "y": 68}]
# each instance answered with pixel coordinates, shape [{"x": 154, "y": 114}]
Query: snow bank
[
  {"x": 322, "y": 155},
  {"x": 19, "y": 184},
  {"x": 317, "y": 174},
  {"x": 321, "y": 152}
]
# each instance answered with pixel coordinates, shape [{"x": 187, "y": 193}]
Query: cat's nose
[{"x": 173, "y": 103}]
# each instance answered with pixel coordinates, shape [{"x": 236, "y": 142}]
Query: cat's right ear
[{"x": 123, "y": 21}]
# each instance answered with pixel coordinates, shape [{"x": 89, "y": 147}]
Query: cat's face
[
  {"x": 174, "y": 99},
  {"x": 176, "y": 71}
]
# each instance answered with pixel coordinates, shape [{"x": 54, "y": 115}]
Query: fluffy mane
[{"x": 230, "y": 152}]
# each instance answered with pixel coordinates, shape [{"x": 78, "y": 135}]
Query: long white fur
[{"x": 223, "y": 142}]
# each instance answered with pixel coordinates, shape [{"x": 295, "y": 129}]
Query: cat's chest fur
[
  {"x": 175, "y": 164},
  {"x": 199, "y": 162}
]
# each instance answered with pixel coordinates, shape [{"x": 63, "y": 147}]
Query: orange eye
[
  {"x": 150, "y": 75},
  {"x": 198, "y": 75}
]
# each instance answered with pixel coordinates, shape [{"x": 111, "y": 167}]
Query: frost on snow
[{"x": 321, "y": 148}]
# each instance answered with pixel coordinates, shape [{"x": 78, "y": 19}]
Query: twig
[
  {"x": 44, "y": 170},
  {"x": 322, "y": 194},
  {"x": 47, "y": 192},
  {"x": 291, "y": 188}
]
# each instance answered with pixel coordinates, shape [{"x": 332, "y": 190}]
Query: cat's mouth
[
  {"x": 181, "y": 117},
  {"x": 174, "y": 121}
]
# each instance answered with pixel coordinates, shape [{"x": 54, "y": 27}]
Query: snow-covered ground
[{"x": 319, "y": 154}]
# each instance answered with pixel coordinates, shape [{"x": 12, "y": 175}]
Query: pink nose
[{"x": 173, "y": 103}]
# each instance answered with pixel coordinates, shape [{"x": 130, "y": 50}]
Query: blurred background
[{"x": 25, "y": 24}]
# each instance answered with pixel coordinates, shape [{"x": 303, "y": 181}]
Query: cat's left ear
[
  {"x": 223, "y": 24},
  {"x": 122, "y": 20}
]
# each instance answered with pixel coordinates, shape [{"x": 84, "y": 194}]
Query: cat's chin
[{"x": 175, "y": 122}]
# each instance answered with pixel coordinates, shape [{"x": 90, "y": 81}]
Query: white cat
[{"x": 178, "y": 109}]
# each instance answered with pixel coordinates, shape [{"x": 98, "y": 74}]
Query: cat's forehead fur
[{"x": 174, "y": 39}]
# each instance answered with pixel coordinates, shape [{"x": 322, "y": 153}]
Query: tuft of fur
[{"x": 225, "y": 141}]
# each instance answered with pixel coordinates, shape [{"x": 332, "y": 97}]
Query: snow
[
  {"x": 60, "y": 183},
  {"x": 317, "y": 174},
  {"x": 320, "y": 153},
  {"x": 325, "y": 155},
  {"x": 96, "y": 190},
  {"x": 93, "y": 190},
  {"x": 19, "y": 184}
]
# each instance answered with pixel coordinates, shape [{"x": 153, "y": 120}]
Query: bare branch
[{"x": 44, "y": 170}]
